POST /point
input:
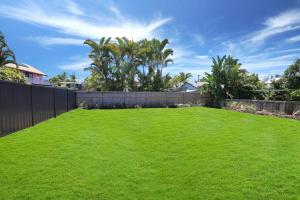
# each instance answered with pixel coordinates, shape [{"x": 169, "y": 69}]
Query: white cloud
[
  {"x": 199, "y": 39},
  {"x": 44, "y": 40},
  {"x": 74, "y": 8},
  {"x": 293, "y": 39},
  {"x": 77, "y": 65},
  {"x": 284, "y": 22},
  {"x": 202, "y": 56},
  {"x": 80, "y": 26}
]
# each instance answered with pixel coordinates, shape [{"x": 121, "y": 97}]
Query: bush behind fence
[
  {"x": 284, "y": 107},
  {"x": 23, "y": 105}
]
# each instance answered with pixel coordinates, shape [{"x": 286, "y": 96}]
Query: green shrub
[
  {"x": 10, "y": 74},
  {"x": 295, "y": 95}
]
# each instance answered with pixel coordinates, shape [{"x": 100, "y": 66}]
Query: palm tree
[
  {"x": 161, "y": 57},
  {"x": 62, "y": 76},
  {"x": 73, "y": 77},
  {"x": 6, "y": 55},
  {"x": 184, "y": 77},
  {"x": 101, "y": 59}
]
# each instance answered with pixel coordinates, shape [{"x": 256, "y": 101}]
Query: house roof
[
  {"x": 186, "y": 84},
  {"x": 26, "y": 68}
]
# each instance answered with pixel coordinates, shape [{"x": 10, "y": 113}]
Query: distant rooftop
[{"x": 26, "y": 68}]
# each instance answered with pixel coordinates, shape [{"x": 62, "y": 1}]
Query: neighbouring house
[
  {"x": 33, "y": 75},
  {"x": 189, "y": 87},
  {"x": 269, "y": 79},
  {"x": 71, "y": 85}
]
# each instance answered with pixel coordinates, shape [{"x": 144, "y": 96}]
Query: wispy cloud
[
  {"x": 73, "y": 8},
  {"x": 44, "y": 40},
  {"x": 284, "y": 22},
  {"x": 293, "y": 39},
  {"x": 76, "y": 65},
  {"x": 74, "y": 24}
]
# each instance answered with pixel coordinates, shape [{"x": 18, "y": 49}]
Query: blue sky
[{"x": 263, "y": 34}]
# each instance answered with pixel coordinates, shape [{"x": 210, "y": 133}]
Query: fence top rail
[
  {"x": 84, "y": 91},
  {"x": 270, "y": 101},
  {"x": 29, "y": 85}
]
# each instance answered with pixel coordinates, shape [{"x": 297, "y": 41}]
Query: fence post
[
  {"x": 31, "y": 106},
  {"x": 67, "y": 100},
  {"x": 75, "y": 96},
  {"x": 124, "y": 100},
  {"x": 54, "y": 103},
  {"x": 166, "y": 98},
  {"x": 102, "y": 104}
]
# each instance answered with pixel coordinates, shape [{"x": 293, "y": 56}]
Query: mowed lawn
[{"x": 187, "y": 153}]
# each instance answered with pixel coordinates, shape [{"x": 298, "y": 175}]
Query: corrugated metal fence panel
[
  {"x": 22, "y": 105},
  {"x": 61, "y": 101},
  {"x": 15, "y": 107},
  {"x": 143, "y": 99},
  {"x": 71, "y": 99},
  {"x": 43, "y": 103},
  {"x": 113, "y": 99}
]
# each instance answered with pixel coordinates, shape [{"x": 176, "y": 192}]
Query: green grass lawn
[{"x": 188, "y": 153}]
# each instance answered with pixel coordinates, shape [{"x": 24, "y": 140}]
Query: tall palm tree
[
  {"x": 101, "y": 59},
  {"x": 161, "y": 57},
  {"x": 6, "y": 55}
]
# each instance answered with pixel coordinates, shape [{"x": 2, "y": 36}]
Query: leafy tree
[
  {"x": 228, "y": 80},
  {"x": 292, "y": 75},
  {"x": 6, "y": 55},
  {"x": 54, "y": 81},
  {"x": 10, "y": 74},
  {"x": 93, "y": 83},
  {"x": 62, "y": 77},
  {"x": 295, "y": 95}
]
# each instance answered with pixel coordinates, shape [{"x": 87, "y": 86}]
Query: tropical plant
[
  {"x": 292, "y": 75},
  {"x": 123, "y": 64},
  {"x": 62, "y": 77},
  {"x": 180, "y": 79},
  {"x": 73, "y": 77},
  {"x": 10, "y": 74},
  {"x": 295, "y": 95},
  {"x": 228, "y": 80},
  {"x": 6, "y": 54}
]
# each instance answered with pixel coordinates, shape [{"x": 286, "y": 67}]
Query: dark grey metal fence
[
  {"x": 142, "y": 99},
  {"x": 22, "y": 105}
]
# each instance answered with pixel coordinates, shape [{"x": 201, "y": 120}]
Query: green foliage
[
  {"x": 6, "y": 54},
  {"x": 10, "y": 74},
  {"x": 153, "y": 154},
  {"x": 128, "y": 65},
  {"x": 62, "y": 77},
  {"x": 279, "y": 84},
  {"x": 180, "y": 79},
  {"x": 292, "y": 76},
  {"x": 228, "y": 80},
  {"x": 93, "y": 83},
  {"x": 279, "y": 95},
  {"x": 295, "y": 95}
]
